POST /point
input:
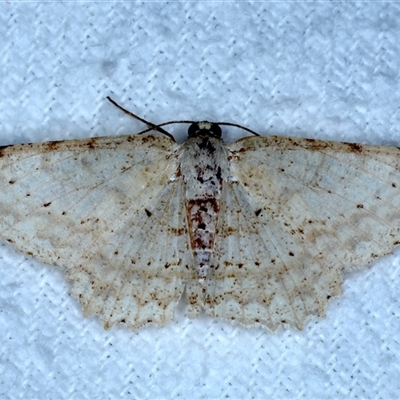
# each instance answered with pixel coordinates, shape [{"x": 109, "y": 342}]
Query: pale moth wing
[
  {"x": 260, "y": 231},
  {"x": 296, "y": 215},
  {"x": 108, "y": 213}
]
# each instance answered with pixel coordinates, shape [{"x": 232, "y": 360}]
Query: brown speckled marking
[
  {"x": 91, "y": 144},
  {"x": 357, "y": 148},
  {"x": 202, "y": 218},
  {"x": 52, "y": 146}
]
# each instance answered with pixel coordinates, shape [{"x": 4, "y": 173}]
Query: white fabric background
[{"x": 319, "y": 70}]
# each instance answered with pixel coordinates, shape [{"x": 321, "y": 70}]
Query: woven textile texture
[{"x": 317, "y": 70}]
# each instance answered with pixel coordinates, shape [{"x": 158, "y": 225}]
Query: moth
[{"x": 260, "y": 231}]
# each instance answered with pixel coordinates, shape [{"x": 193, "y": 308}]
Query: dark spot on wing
[
  {"x": 258, "y": 212},
  {"x": 228, "y": 263},
  {"x": 91, "y": 143},
  {"x": 46, "y": 204},
  {"x": 149, "y": 214},
  {"x": 291, "y": 254},
  {"x": 360, "y": 206},
  {"x": 52, "y": 146},
  {"x": 354, "y": 147},
  {"x": 177, "y": 231},
  {"x": 11, "y": 182}
]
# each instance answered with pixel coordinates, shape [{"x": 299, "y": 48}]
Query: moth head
[{"x": 204, "y": 128}]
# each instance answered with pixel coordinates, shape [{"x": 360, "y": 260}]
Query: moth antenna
[
  {"x": 192, "y": 122},
  {"x": 238, "y": 126},
  {"x": 149, "y": 124},
  {"x": 152, "y": 127}
]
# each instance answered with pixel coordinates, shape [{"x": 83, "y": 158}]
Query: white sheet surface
[{"x": 318, "y": 70}]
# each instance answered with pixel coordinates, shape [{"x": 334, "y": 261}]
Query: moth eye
[
  {"x": 216, "y": 130},
  {"x": 193, "y": 129}
]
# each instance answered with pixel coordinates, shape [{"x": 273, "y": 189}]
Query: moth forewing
[
  {"x": 99, "y": 209},
  {"x": 326, "y": 208}
]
